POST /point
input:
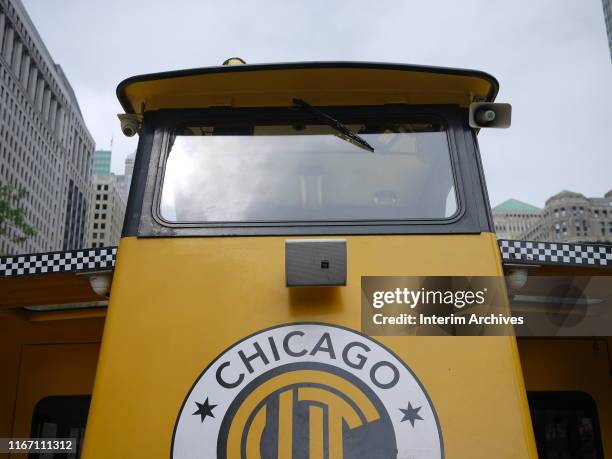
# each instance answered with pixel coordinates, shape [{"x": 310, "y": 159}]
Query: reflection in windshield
[{"x": 280, "y": 174}]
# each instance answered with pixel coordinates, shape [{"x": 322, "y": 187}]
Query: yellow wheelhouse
[{"x": 261, "y": 196}]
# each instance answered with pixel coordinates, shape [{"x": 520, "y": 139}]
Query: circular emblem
[{"x": 307, "y": 391}]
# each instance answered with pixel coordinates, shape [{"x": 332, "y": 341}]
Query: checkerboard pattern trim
[
  {"x": 103, "y": 259},
  {"x": 550, "y": 253},
  {"x": 72, "y": 261}
]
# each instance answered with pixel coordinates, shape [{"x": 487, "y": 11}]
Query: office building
[
  {"x": 45, "y": 147},
  {"x": 607, "y": 8},
  {"x": 102, "y": 162},
  {"x": 513, "y": 217},
  {"x": 126, "y": 179},
  {"x": 566, "y": 217},
  {"x": 109, "y": 198},
  {"x": 572, "y": 217},
  {"x": 107, "y": 212},
  {"x": 129, "y": 164}
]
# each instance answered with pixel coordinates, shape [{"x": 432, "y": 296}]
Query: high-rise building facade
[
  {"x": 109, "y": 198},
  {"x": 567, "y": 217},
  {"x": 125, "y": 180},
  {"x": 513, "y": 217},
  {"x": 572, "y": 217},
  {"x": 107, "y": 211},
  {"x": 607, "y": 8},
  {"x": 45, "y": 147}
]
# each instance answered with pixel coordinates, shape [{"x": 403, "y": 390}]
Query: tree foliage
[{"x": 12, "y": 214}]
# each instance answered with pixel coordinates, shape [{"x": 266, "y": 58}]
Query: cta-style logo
[{"x": 307, "y": 391}]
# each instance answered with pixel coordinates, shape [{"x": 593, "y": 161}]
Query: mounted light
[
  {"x": 100, "y": 284},
  {"x": 517, "y": 278}
]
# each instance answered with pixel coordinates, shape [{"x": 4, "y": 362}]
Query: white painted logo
[{"x": 307, "y": 391}]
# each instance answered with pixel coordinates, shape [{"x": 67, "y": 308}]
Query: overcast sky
[{"x": 551, "y": 58}]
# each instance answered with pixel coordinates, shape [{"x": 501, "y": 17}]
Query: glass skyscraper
[{"x": 102, "y": 162}]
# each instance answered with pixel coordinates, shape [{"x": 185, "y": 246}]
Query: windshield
[{"x": 306, "y": 173}]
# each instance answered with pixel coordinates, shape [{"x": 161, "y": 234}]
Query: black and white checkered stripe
[
  {"x": 73, "y": 261},
  {"x": 102, "y": 259},
  {"x": 551, "y": 253}
]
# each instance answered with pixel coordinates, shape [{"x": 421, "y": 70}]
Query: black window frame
[
  {"x": 143, "y": 217},
  {"x": 53, "y": 402},
  {"x": 542, "y": 400}
]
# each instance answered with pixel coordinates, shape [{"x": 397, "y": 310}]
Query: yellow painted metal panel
[
  {"x": 177, "y": 303},
  {"x": 50, "y": 370},
  {"x": 18, "y": 333},
  {"x": 43, "y": 289},
  {"x": 319, "y": 86},
  {"x": 573, "y": 364}
]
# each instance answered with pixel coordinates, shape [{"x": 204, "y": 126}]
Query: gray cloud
[{"x": 551, "y": 58}]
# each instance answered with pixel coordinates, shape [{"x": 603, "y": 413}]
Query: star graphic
[
  {"x": 411, "y": 414},
  {"x": 205, "y": 409}
]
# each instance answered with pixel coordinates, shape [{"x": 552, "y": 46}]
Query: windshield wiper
[{"x": 345, "y": 132}]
